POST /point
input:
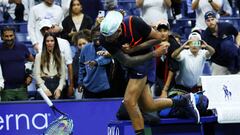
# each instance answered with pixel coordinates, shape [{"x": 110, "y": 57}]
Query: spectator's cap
[
  {"x": 45, "y": 23},
  {"x": 209, "y": 14},
  {"x": 163, "y": 24},
  {"x": 111, "y": 23},
  {"x": 195, "y": 35}
]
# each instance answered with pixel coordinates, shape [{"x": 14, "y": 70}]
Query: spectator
[
  {"x": 45, "y": 10},
  {"x": 153, "y": 11},
  {"x": 192, "y": 57},
  {"x": 46, "y": 26},
  {"x": 137, "y": 57},
  {"x": 203, "y": 6},
  {"x": 49, "y": 67},
  {"x": 92, "y": 78},
  {"x": 225, "y": 39},
  {"x": 79, "y": 39},
  {"x": 13, "y": 68},
  {"x": 166, "y": 65},
  {"x": 75, "y": 21}
]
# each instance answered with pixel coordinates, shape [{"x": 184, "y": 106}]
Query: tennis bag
[{"x": 149, "y": 118}]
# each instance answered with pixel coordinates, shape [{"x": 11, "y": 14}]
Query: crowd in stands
[{"x": 69, "y": 59}]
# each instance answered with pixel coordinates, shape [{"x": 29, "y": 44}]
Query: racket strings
[{"x": 61, "y": 126}]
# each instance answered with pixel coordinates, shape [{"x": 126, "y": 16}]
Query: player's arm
[
  {"x": 131, "y": 61},
  {"x": 148, "y": 44}
]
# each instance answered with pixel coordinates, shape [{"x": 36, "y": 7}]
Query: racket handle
[{"x": 44, "y": 96}]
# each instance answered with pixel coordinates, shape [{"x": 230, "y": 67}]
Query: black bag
[{"x": 149, "y": 118}]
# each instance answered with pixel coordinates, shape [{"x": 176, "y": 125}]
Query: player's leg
[
  {"x": 148, "y": 104},
  {"x": 185, "y": 102},
  {"x": 132, "y": 94}
]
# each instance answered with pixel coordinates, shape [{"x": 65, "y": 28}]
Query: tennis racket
[{"x": 63, "y": 125}]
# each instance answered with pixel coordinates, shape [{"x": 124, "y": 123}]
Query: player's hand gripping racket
[{"x": 63, "y": 125}]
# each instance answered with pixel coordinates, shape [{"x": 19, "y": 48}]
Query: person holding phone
[{"x": 191, "y": 57}]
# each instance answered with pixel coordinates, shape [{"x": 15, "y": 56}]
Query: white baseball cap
[
  {"x": 195, "y": 35},
  {"x": 45, "y": 23},
  {"x": 111, "y": 23}
]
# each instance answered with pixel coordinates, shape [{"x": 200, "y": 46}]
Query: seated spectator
[
  {"x": 92, "y": 78},
  {"x": 14, "y": 74},
  {"x": 225, "y": 39},
  {"x": 49, "y": 68},
  {"x": 75, "y": 21}
]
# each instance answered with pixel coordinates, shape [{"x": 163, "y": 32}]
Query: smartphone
[
  {"x": 101, "y": 13},
  {"x": 196, "y": 43}
]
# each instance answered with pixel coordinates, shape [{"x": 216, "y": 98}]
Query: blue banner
[{"x": 32, "y": 118}]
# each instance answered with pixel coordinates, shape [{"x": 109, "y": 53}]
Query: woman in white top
[
  {"x": 49, "y": 67},
  {"x": 154, "y": 10}
]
